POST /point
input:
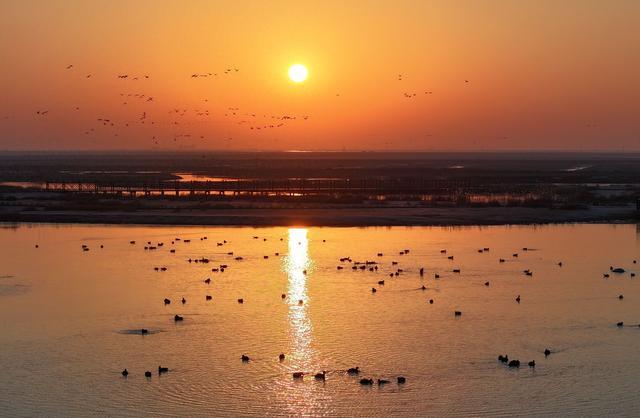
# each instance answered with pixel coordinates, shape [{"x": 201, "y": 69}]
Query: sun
[{"x": 298, "y": 73}]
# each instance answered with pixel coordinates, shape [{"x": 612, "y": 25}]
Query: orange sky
[{"x": 542, "y": 75}]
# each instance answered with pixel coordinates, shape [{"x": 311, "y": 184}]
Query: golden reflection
[{"x": 297, "y": 263}]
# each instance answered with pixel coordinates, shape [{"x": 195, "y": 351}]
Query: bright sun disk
[{"x": 298, "y": 73}]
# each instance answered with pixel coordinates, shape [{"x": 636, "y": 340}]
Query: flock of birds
[
  {"x": 190, "y": 126},
  {"x": 364, "y": 265},
  {"x": 186, "y": 125}
]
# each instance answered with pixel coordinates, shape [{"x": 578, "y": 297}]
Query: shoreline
[{"x": 333, "y": 217}]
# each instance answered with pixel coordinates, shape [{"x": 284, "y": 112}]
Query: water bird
[
  {"x": 178, "y": 318},
  {"x": 240, "y": 300},
  {"x": 144, "y": 331},
  {"x": 382, "y": 382},
  {"x": 547, "y": 352},
  {"x": 502, "y": 260},
  {"x": 401, "y": 380},
  {"x": 281, "y": 356},
  {"x": 618, "y": 270},
  {"x": 366, "y": 382},
  {"x": 518, "y": 299},
  {"x": 353, "y": 370},
  {"x": 620, "y": 297},
  {"x": 167, "y": 301},
  {"x": 605, "y": 275},
  {"x": 380, "y": 282},
  {"x": 503, "y": 359},
  {"x": 125, "y": 373},
  {"x": 283, "y": 296},
  {"x": 320, "y": 376},
  {"x": 456, "y": 270},
  {"x": 620, "y": 324},
  {"x": 532, "y": 363},
  {"x": 373, "y": 290},
  {"x": 298, "y": 375},
  {"x": 207, "y": 280},
  {"x": 486, "y": 284},
  {"x": 423, "y": 287},
  {"x": 300, "y": 302},
  {"x": 245, "y": 358},
  {"x": 514, "y": 363},
  {"x": 184, "y": 300},
  {"x": 162, "y": 369},
  {"x": 457, "y": 313},
  {"x": 208, "y": 297},
  {"x": 436, "y": 276},
  {"x": 431, "y": 301},
  {"x": 147, "y": 374}
]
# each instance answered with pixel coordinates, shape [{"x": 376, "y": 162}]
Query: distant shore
[{"x": 331, "y": 216}]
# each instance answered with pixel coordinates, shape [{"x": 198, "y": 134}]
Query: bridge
[{"x": 275, "y": 187}]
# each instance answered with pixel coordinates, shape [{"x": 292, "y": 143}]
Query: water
[{"x": 71, "y": 320}]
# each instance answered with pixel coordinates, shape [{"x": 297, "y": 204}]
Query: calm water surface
[{"x": 70, "y": 321}]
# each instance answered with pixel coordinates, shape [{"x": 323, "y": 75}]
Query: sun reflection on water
[{"x": 297, "y": 263}]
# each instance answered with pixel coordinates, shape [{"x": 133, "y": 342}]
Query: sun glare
[{"x": 298, "y": 73}]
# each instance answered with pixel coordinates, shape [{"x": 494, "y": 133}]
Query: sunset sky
[{"x": 382, "y": 75}]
